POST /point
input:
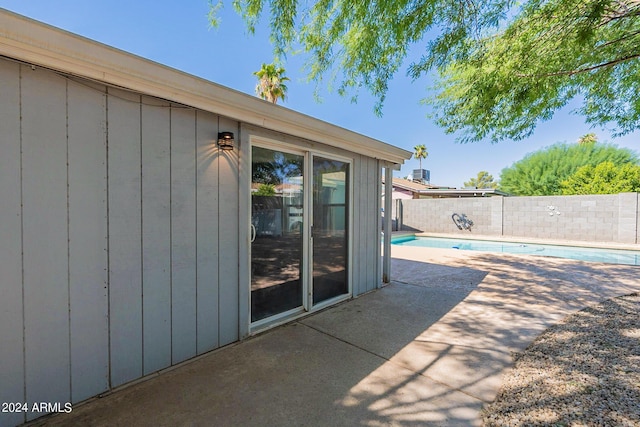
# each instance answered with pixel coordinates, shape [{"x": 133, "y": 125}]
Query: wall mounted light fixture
[{"x": 225, "y": 140}]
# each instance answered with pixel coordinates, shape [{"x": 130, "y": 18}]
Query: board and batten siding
[
  {"x": 114, "y": 261},
  {"x": 123, "y": 228},
  {"x": 11, "y": 282},
  {"x": 366, "y": 226}
]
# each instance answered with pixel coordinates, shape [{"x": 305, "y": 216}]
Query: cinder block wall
[
  {"x": 599, "y": 218},
  {"x": 435, "y": 215},
  {"x": 590, "y": 218}
]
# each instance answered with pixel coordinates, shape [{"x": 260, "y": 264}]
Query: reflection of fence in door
[
  {"x": 267, "y": 215},
  {"x": 268, "y": 222},
  {"x": 276, "y": 215},
  {"x": 462, "y": 222},
  {"x": 293, "y": 216}
]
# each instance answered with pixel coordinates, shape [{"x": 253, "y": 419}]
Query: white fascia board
[{"x": 40, "y": 44}]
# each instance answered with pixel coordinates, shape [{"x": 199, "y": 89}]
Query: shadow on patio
[{"x": 429, "y": 349}]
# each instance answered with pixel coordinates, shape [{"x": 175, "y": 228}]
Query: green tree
[
  {"x": 265, "y": 190},
  {"x": 552, "y": 52},
  {"x": 483, "y": 180},
  {"x": 541, "y": 173},
  {"x": 604, "y": 178},
  {"x": 274, "y": 168},
  {"x": 504, "y": 65},
  {"x": 271, "y": 86},
  {"x": 420, "y": 152},
  {"x": 589, "y": 138}
]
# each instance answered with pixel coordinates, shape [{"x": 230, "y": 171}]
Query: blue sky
[{"x": 177, "y": 34}]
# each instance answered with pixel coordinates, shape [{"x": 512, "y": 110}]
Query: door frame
[
  {"x": 349, "y": 220},
  {"x": 307, "y": 265}
]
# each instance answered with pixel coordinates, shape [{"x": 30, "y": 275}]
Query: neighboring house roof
[
  {"x": 434, "y": 191},
  {"x": 36, "y": 43},
  {"x": 412, "y": 185},
  {"x": 280, "y": 188},
  {"x": 465, "y": 192}
]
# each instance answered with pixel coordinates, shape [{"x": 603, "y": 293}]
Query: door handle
[{"x": 253, "y": 233}]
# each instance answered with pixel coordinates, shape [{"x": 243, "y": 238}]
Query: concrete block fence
[{"x": 596, "y": 218}]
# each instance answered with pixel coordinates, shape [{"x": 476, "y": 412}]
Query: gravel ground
[{"x": 584, "y": 371}]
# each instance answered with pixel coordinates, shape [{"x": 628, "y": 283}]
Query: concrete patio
[{"x": 428, "y": 349}]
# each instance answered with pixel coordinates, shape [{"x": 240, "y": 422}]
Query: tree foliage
[
  {"x": 589, "y": 138},
  {"x": 420, "y": 152},
  {"x": 265, "y": 190},
  {"x": 363, "y": 43},
  {"x": 604, "y": 178},
  {"x": 271, "y": 83},
  {"x": 483, "y": 180},
  {"x": 553, "y": 51},
  {"x": 273, "y": 167},
  {"x": 504, "y": 65},
  {"x": 542, "y": 172}
]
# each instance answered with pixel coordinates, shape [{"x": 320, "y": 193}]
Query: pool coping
[{"x": 531, "y": 240}]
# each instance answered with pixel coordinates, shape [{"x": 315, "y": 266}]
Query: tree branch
[
  {"x": 625, "y": 37},
  {"x": 583, "y": 70},
  {"x": 631, "y": 10}
]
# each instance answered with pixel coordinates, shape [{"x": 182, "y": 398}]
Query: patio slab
[{"x": 430, "y": 349}]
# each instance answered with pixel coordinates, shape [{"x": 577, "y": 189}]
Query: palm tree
[
  {"x": 420, "y": 153},
  {"x": 271, "y": 85},
  {"x": 590, "y": 138}
]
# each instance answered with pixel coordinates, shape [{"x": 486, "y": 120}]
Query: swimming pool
[{"x": 612, "y": 256}]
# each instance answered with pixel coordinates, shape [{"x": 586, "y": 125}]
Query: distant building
[{"x": 406, "y": 189}]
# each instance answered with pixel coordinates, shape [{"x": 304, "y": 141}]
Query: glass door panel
[
  {"x": 276, "y": 226},
  {"x": 330, "y": 228}
]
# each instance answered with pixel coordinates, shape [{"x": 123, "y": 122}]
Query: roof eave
[{"x": 36, "y": 43}]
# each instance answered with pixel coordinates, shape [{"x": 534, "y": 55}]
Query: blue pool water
[{"x": 612, "y": 256}]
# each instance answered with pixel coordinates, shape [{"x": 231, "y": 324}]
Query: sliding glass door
[
  {"x": 330, "y": 233},
  {"x": 277, "y": 207},
  {"x": 299, "y": 232}
]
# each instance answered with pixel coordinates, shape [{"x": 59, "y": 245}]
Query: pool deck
[{"x": 429, "y": 349}]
